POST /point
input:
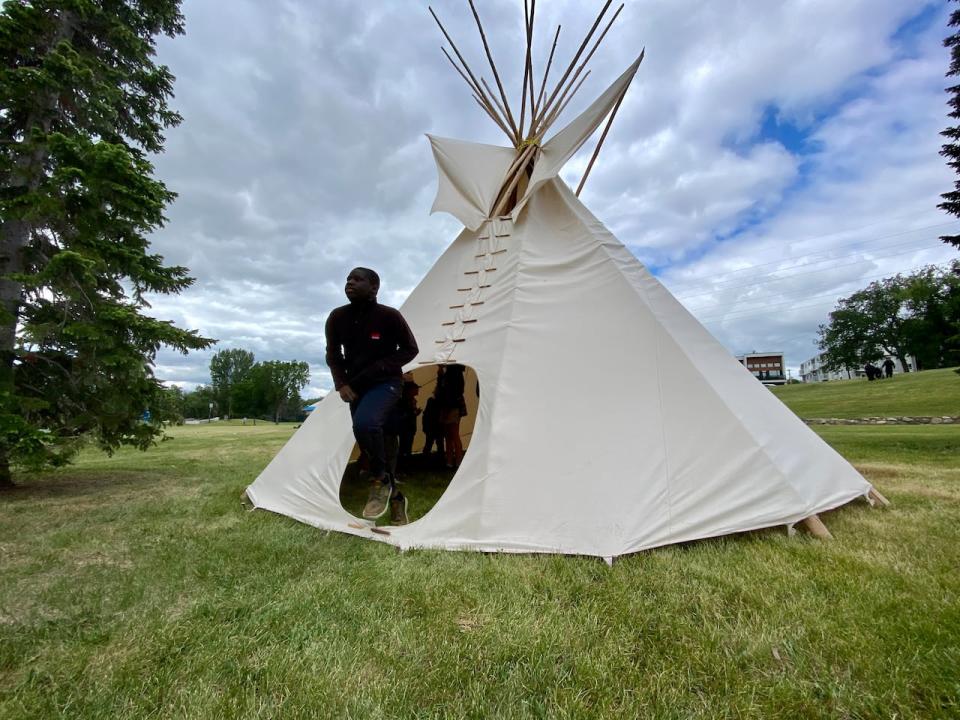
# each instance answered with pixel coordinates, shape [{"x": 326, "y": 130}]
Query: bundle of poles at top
[{"x": 527, "y": 134}]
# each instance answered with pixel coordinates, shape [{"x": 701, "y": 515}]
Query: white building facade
[{"x": 814, "y": 370}]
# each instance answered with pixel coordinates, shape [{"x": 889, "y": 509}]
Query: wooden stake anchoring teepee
[{"x": 544, "y": 110}]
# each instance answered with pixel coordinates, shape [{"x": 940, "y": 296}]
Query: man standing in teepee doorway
[{"x": 367, "y": 347}]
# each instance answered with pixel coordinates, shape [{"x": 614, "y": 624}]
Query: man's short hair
[{"x": 371, "y": 276}]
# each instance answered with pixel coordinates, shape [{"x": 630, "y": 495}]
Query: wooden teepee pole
[
  {"x": 546, "y": 73},
  {"x": 526, "y": 70},
  {"x": 816, "y": 527},
  {"x": 533, "y": 13},
  {"x": 508, "y": 175},
  {"x": 561, "y": 105},
  {"x": 603, "y": 136},
  {"x": 493, "y": 116},
  {"x": 503, "y": 110},
  {"x": 518, "y": 167},
  {"x": 573, "y": 64},
  {"x": 493, "y": 67},
  {"x": 521, "y": 168},
  {"x": 487, "y": 108},
  {"x": 595, "y": 46},
  {"x": 475, "y": 86}
]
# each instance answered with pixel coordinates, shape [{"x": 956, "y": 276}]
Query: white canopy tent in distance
[{"x": 610, "y": 421}]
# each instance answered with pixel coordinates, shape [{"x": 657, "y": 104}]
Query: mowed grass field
[
  {"x": 137, "y": 586},
  {"x": 928, "y": 393}
]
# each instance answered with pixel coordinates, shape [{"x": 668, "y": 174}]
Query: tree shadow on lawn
[{"x": 79, "y": 483}]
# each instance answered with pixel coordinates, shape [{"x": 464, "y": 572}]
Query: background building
[
  {"x": 768, "y": 367},
  {"x": 813, "y": 370}
]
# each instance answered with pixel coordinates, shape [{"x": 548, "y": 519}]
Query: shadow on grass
[{"x": 78, "y": 483}]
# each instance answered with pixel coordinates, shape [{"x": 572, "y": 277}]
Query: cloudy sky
[{"x": 770, "y": 157}]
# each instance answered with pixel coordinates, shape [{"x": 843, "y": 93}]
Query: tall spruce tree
[
  {"x": 82, "y": 105},
  {"x": 951, "y": 150}
]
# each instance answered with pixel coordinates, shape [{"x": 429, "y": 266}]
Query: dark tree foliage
[
  {"x": 951, "y": 150},
  {"x": 254, "y": 390},
  {"x": 275, "y": 387},
  {"x": 917, "y": 314},
  {"x": 82, "y": 105},
  {"x": 229, "y": 368},
  {"x": 201, "y": 403},
  {"x": 170, "y": 405},
  {"x": 931, "y": 303},
  {"x": 864, "y": 326}
]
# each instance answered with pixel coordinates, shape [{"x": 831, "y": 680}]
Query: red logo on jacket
[{"x": 375, "y": 335}]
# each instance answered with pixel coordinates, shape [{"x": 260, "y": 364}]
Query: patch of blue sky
[
  {"x": 777, "y": 128},
  {"x": 796, "y": 136},
  {"x": 659, "y": 262},
  {"x": 909, "y": 36}
]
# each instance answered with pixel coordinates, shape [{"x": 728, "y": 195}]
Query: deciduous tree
[
  {"x": 229, "y": 368},
  {"x": 917, "y": 314},
  {"x": 867, "y": 322},
  {"x": 200, "y": 403},
  {"x": 931, "y": 300},
  {"x": 279, "y": 383}
]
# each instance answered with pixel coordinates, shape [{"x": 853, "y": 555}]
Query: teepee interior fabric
[{"x": 609, "y": 420}]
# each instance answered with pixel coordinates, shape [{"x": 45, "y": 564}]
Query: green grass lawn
[
  {"x": 930, "y": 393},
  {"x": 137, "y": 586}
]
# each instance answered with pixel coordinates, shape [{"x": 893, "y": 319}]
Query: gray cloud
[{"x": 303, "y": 154}]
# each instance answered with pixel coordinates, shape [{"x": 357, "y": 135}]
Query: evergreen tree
[
  {"x": 83, "y": 105},
  {"x": 951, "y": 150}
]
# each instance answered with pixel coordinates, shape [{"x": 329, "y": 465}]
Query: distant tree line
[
  {"x": 916, "y": 314},
  {"x": 241, "y": 387}
]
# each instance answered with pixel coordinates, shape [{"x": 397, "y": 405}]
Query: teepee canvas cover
[{"x": 610, "y": 420}]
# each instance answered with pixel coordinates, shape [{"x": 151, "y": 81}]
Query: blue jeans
[{"x": 370, "y": 413}]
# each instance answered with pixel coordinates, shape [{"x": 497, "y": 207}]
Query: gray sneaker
[
  {"x": 377, "y": 499},
  {"x": 398, "y": 509}
]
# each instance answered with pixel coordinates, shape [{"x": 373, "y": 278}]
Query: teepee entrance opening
[{"x": 430, "y": 411}]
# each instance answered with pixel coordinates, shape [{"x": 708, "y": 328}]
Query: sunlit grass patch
[{"x": 927, "y": 393}]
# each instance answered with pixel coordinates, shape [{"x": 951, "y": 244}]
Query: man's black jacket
[{"x": 367, "y": 343}]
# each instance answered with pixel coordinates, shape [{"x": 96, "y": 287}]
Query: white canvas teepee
[{"x": 610, "y": 420}]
